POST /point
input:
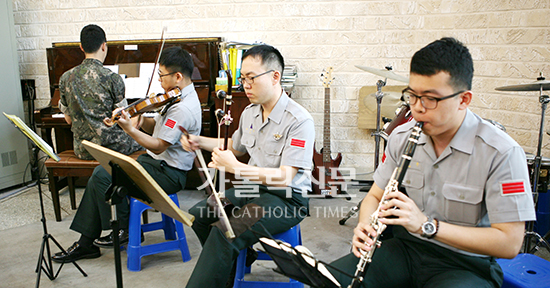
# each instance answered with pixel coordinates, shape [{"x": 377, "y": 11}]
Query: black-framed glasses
[
  {"x": 250, "y": 80},
  {"x": 427, "y": 102},
  {"x": 162, "y": 75}
]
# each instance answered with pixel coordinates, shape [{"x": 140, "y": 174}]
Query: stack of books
[
  {"x": 289, "y": 77},
  {"x": 231, "y": 53}
]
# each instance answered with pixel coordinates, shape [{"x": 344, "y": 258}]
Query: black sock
[{"x": 86, "y": 242}]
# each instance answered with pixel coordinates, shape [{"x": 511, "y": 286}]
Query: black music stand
[
  {"x": 44, "y": 264},
  {"x": 130, "y": 178},
  {"x": 298, "y": 265}
]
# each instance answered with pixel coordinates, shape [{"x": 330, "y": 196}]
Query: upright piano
[{"x": 64, "y": 56}]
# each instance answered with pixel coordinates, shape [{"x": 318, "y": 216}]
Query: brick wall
[{"x": 509, "y": 41}]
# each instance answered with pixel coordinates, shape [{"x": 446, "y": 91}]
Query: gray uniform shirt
[
  {"x": 285, "y": 138},
  {"x": 479, "y": 179},
  {"x": 186, "y": 113}
]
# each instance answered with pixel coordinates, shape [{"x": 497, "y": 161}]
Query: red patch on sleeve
[
  {"x": 298, "y": 143},
  {"x": 170, "y": 123},
  {"x": 383, "y": 157},
  {"x": 516, "y": 187}
]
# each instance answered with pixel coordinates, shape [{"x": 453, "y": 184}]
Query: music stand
[
  {"x": 297, "y": 262},
  {"x": 44, "y": 263},
  {"x": 130, "y": 178}
]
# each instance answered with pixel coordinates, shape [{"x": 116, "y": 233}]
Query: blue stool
[
  {"x": 171, "y": 227},
  {"x": 525, "y": 271},
  {"x": 294, "y": 237}
]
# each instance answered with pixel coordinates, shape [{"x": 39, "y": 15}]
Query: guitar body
[{"x": 327, "y": 179}]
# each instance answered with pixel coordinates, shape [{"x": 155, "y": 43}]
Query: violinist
[
  {"x": 165, "y": 160},
  {"x": 278, "y": 135},
  {"x": 89, "y": 92}
]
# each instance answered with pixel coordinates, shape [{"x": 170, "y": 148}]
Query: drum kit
[
  {"x": 403, "y": 115},
  {"x": 530, "y": 235}
]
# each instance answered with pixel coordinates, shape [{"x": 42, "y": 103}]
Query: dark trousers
[
  {"x": 94, "y": 214},
  {"x": 219, "y": 254},
  {"x": 405, "y": 261}
]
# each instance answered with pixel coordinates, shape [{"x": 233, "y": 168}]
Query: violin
[{"x": 147, "y": 105}]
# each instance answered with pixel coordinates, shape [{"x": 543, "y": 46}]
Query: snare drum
[
  {"x": 542, "y": 204},
  {"x": 403, "y": 115},
  {"x": 544, "y": 168}
]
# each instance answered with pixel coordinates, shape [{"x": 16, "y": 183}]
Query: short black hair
[
  {"x": 175, "y": 59},
  {"x": 91, "y": 38},
  {"x": 269, "y": 55},
  {"x": 448, "y": 55}
]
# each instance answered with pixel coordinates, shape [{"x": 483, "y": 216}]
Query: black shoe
[
  {"x": 76, "y": 252},
  {"x": 107, "y": 241}
]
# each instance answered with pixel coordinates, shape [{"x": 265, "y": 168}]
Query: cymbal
[
  {"x": 384, "y": 73},
  {"x": 535, "y": 86}
]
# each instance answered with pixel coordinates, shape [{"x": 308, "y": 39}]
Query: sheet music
[
  {"x": 136, "y": 87},
  {"x": 33, "y": 136}
]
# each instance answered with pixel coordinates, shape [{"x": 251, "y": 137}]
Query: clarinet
[{"x": 393, "y": 186}]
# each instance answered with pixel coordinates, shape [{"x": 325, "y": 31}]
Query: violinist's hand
[
  {"x": 190, "y": 142},
  {"x": 110, "y": 121},
  {"x": 223, "y": 160},
  {"x": 125, "y": 122},
  {"x": 362, "y": 238},
  {"x": 407, "y": 212}
]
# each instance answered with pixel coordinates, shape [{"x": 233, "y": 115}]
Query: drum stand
[{"x": 530, "y": 233}]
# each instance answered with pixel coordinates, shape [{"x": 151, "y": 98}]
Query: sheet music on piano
[{"x": 136, "y": 87}]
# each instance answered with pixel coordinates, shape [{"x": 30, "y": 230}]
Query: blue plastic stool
[
  {"x": 294, "y": 237},
  {"x": 525, "y": 271},
  {"x": 173, "y": 230}
]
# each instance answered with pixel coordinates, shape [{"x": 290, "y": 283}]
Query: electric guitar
[{"x": 327, "y": 180}]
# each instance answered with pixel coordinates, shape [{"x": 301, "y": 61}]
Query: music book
[
  {"x": 40, "y": 143},
  {"x": 298, "y": 263}
]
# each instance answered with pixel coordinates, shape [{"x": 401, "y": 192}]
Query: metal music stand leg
[
  {"x": 45, "y": 264},
  {"x": 529, "y": 233},
  {"x": 121, "y": 186}
]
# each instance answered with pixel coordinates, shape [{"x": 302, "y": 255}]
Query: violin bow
[
  {"x": 223, "y": 217},
  {"x": 161, "y": 46}
]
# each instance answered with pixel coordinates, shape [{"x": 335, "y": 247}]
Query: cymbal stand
[
  {"x": 379, "y": 95},
  {"x": 530, "y": 233},
  {"x": 377, "y": 135}
]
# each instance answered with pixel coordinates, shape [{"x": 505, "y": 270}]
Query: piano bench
[{"x": 64, "y": 173}]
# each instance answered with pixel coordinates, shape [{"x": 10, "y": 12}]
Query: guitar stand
[
  {"x": 45, "y": 262},
  {"x": 529, "y": 233}
]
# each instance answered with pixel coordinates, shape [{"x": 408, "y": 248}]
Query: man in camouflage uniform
[{"x": 89, "y": 93}]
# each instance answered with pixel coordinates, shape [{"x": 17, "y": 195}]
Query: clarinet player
[{"x": 467, "y": 192}]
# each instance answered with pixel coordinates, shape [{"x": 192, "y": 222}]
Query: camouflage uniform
[{"x": 90, "y": 93}]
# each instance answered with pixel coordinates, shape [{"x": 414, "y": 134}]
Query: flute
[{"x": 393, "y": 186}]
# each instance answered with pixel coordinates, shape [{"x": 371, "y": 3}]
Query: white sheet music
[{"x": 136, "y": 87}]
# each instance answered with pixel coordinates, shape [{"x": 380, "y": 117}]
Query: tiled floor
[{"x": 21, "y": 235}]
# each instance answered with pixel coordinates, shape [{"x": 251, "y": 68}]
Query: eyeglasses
[
  {"x": 250, "y": 80},
  {"x": 426, "y": 101},
  {"x": 162, "y": 75}
]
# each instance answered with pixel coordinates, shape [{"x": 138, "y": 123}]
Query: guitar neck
[{"x": 326, "y": 128}]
